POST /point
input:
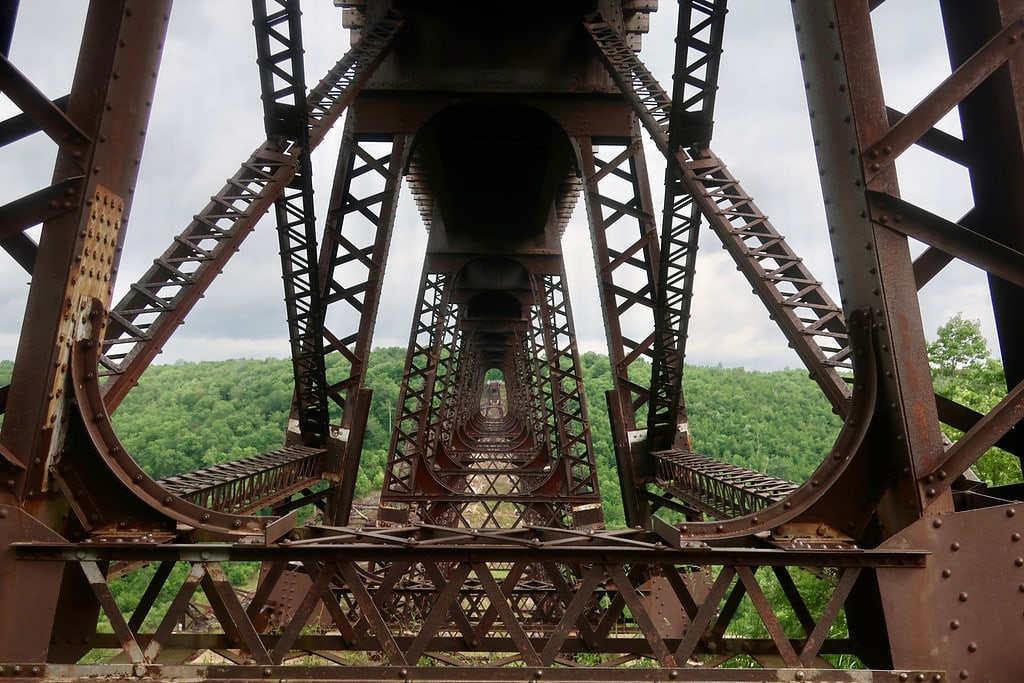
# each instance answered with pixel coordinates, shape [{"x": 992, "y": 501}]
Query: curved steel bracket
[
  {"x": 120, "y": 472},
  {"x": 847, "y": 444}
]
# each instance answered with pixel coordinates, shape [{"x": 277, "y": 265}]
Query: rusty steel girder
[{"x": 491, "y": 554}]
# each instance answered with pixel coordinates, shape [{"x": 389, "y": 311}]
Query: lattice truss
[
  {"x": 424, "y": 593},
  {"x": 453, "y": 463},
  {"x": 489, "y": 549}
]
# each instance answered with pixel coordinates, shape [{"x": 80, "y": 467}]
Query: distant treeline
[
  {"x": 186, "y": 416},
  {"x": 190, "y": 415}
]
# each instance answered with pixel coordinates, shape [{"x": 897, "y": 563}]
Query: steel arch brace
[
  {"x": 801, "y": 307},
  {"x": 144, "y": 319},
  {"x": 102, "y": 466},
  {"x": 822, "y": 499}
]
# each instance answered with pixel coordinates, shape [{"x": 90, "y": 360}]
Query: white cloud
[{"x": 207, "y": 118}]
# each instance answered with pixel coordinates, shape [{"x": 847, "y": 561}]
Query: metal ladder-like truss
[
  {"x": 450, "y": 464},
  {"x": 490, "y": 548},
  {"x": 144, "y": 319}
]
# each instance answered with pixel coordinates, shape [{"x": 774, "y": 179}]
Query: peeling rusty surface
[
  {"x": 490, "y": 533},
  {"x": 972, "y": 591}
]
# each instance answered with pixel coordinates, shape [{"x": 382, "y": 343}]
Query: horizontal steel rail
[
  {"x": 716, "y": 488},
  {"x": 250, "y": 484},
  {"x": 538, "y": 594}
]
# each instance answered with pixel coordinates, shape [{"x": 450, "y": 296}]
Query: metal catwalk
[{"x": 490, "y": 560}]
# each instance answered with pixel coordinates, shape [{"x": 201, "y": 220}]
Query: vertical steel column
[
  {"x": 667, "y": 423},
  {"x": 694, "y": 86},
  {"x": 283, "y": 85},
  {"x": 402, "y": 486},
  {"x": 572, "y": 448},
  {"x": 528, "y": 382},
  {"x": 873, "y": 262},
  {"x": 622, "y": 226},
  {"x": 354, "y": 253},
  {"x": 76, "y": 262},
  {"x": 458, "y": 397},
  {"x": 112, "y": 85},
  {"x": 446, "y": 384},
  {"x": 626, "y": 251},
  {"x": 353, "y": 258},
  {"x": 875, "y": 272}
]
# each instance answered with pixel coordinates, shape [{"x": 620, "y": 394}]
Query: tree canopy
[
  {"x": 186, "y": 416},
  {"x": 958, "y": 344},
  {"x": 964, "y": 371}
]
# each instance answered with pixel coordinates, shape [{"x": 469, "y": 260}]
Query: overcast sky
[{"x": 207, "y": 119}]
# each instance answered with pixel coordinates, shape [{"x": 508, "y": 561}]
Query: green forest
[{"x": 190, "y": 415}]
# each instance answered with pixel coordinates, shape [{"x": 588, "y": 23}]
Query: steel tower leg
[
  {"x": 353, "y": 258},
  {"x": 626, "y": 252},
  {"x": 116, "y": 75}
]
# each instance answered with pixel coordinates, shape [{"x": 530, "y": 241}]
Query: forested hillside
[{"x": 190, "y": 415}]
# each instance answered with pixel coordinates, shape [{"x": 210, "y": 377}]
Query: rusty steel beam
[
  {"x": 407, "y": 473},
  {"x": 47, "y": 115},
  {"x": 285, "y": 116},
  {"x": 38, "y": 207},
  {"x": 797, "y": 301},
  {"x": 251, "y": 484},
  {"x": 625, "y": 241},
  {"x": 473, "y": 601},
  {"x": 105, "y": 487},
  {"x": 570, "y": 442},
  {"x": 353, "y": 257},
  {"x": 968, "y": 76},
  {"x": 870, "y": 253},
  {"x": 857, "y": 138},
  {"x": 695, "y": 83},
  {"x": 91, "y": 108},
  {"x": 700, "y": 27},
  {"x": 354, "y": 250},
  {"x": 116, "y": 72},
  {"x": 23, "y": 249},
  {"x": 883, "y": 517},
  {"x": 145, "y": 318},
  {"x": 995, "y": 258},
  {"x": 21, "y": 125},
  {"x": 715, "y": 488}
]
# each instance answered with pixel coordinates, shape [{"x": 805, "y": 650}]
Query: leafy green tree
[
  {"x": 964, "y": 371},
  {"x": 959, "y": 344}
]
